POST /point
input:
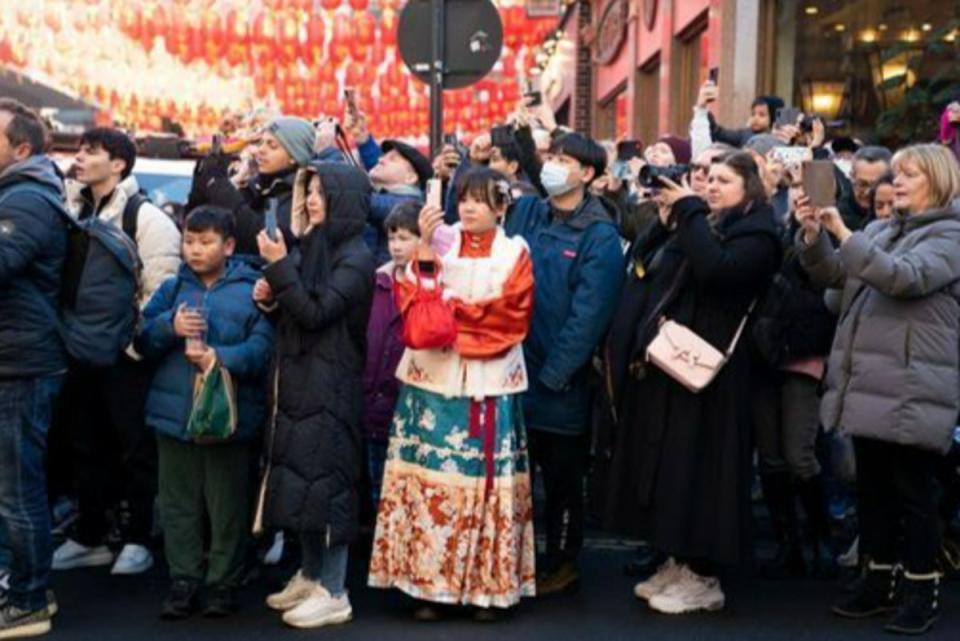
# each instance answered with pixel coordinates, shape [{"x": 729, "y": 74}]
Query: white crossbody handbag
[{"x": 687, "y": 358}]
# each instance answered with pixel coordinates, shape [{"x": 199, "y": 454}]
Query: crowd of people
[{"x": 368, "y": 354}]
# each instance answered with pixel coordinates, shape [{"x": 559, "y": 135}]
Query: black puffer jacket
[
  {"x": 324, "y": 290},
  {"x": 792, "y": 321}
]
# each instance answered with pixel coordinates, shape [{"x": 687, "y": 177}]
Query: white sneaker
[
  {"x": 666, "y": 575},
  {"x": 691, "y": 592},
  {"x": 319, "y": 609},
  {"x": 73, "y": 555},
  {"x": 850, "y": 558},
  {"x": 4, "y": 580},
  {"x": 133, "y": 559},
  {"x": 297, "y": 590}
]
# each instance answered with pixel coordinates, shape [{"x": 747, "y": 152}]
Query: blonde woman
[{"x": 893, "y": 381}]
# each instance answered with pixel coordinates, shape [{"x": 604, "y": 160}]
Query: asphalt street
[{"x": 97, "y": 607}]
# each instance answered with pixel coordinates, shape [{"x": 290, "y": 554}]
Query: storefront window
[
  {"x": 648, "y": 101},
  {"x": 691, "y": 60},
  {"x": 612, "y": 121},
  {"x": 878, "y": 69}
]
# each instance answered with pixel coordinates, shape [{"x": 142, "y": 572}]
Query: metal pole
[{"x": 436, "y": 77}]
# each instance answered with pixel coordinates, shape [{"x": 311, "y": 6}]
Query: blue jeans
[
  {"x": 326, "y": 565},
  {"x": 25, "y": 410}
]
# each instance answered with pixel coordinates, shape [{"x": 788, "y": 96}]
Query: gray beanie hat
[
  {"x": 296, "y": 135},
  {"x": 763, "y": 143}
]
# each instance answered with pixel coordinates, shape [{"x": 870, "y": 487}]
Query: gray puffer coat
[{"x": 893, "y": 371}]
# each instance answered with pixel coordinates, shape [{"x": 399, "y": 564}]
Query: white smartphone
[{"x": 434, "y": 193}]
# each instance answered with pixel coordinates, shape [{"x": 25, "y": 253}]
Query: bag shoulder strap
[
  {"x": 743, "y": 324},
  {"x": 667, "y": 298},
  {"x": 131, "y": 219},
  {"x": 55, "y": 202}
]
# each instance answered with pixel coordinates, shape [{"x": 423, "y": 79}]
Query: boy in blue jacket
[{"x": 215, "y": 479}]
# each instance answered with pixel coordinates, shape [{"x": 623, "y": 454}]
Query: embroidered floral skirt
[{"x": 455, "y": 523}]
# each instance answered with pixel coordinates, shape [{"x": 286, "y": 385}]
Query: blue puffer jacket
[
  {"x": 579, "y": 270},
  {"x": 33, "y": 244},
  {"x": 240, "y": 334}
]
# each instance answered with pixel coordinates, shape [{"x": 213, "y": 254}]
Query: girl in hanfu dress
[{"x": 455, "y": 523}]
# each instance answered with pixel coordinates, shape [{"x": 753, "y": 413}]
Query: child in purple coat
[{"x": 385, "y": 342}]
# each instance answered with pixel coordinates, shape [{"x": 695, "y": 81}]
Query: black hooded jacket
[{"x": 323, "y": 290}]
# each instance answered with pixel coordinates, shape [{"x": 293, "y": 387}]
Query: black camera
[{"x": 650, "y": 175}]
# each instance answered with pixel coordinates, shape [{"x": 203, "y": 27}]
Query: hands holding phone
[
  {"x": 813, "y": 219},
  {"x": 271, "y": 250},
  {"x": 355, "y": 124},
  {"x": 709, "y": 92},
  {"x": 431, "y": 218}
]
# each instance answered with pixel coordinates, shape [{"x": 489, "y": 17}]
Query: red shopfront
[{"x": 650, "y": 58}]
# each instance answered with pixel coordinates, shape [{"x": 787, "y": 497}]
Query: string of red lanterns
[{"x": 302, "y": 53}]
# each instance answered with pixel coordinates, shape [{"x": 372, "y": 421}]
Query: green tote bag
[{"x": 214, "y": 414}]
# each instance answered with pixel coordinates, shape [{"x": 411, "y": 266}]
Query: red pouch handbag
[{"x": 428, "y": 320}]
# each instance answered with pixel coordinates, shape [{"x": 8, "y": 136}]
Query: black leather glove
[{"x": 211, "y": 184}]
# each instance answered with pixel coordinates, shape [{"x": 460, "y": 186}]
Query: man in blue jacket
[
  {"x": 398, "y": 172},
  {"x": 33, "y": 242},
  {"x": 579, "y": 271}
]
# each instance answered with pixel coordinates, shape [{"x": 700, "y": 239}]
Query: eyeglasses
[{"x": 695, "y": 167}]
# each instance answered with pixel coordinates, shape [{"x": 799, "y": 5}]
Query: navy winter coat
[
  {"x": 33, "y": 242},
  {"x": 578, "y": 268},
  {"x": 240, "y": 334}
]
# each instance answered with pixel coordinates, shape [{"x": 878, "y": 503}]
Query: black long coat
[
  {"x": 324, "y": 290},
  {"x": 680, "y": 472}
]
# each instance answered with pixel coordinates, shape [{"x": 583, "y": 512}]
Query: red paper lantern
[
  {"x": 359, "y": 5},
  {"x": 388, "y": 27},
  {"x": 364, "y": 27},
  {"x": 330, "y": 5}
]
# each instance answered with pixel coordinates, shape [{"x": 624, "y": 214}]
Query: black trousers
[
  {"x": 562, "y": 461},
  {"x": 115, "y": 455},
  {"x": 897, "y": 504}
]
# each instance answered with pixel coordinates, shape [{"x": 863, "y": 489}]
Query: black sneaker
[
  {"x": 16, "y": 623},
  {"x": 919, "y": 606},
  {"x": 221, "y": 602},
  {"x": 182, "y": 601},
  {"x": 876, "y": 595}
]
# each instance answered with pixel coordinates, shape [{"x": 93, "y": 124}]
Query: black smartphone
[
  {"x": 216, "y": 147},
  {"x": 270, "y": 219},
  {"x": 502, "y": 136},
  {"x": 629, "y": 149},
  {"x": 713, "y": 75},
  {"x": 426, "y": 267},
  {"x": 450, "y": 139},
  {"x": 534, "y": 98}
]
